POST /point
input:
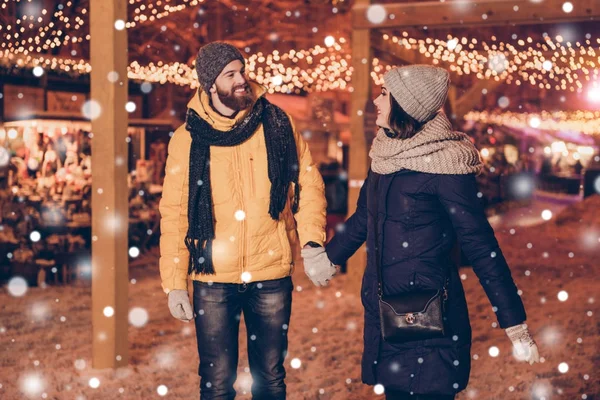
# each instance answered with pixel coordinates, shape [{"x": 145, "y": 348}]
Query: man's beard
[{"x": 235, "y": 101}]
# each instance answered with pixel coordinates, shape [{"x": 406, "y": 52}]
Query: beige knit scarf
[{"x": 435, "y": 149}]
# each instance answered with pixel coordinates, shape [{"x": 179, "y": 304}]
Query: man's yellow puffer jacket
[{"x": 247, "y": 240}]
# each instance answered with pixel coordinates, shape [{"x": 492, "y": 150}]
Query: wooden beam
[
  {"x": 358, "y": 162},
  {"x": 473, "y": 96},
  {"x": 462, "y": 13},
  {"x": 408, "y": 56},
  {"x": 109, "y": 186}
]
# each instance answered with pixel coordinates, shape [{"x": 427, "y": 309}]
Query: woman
[{"x": 422, "y": 189}]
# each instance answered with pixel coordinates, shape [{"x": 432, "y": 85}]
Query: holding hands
[{"x": 317, "y": 266}]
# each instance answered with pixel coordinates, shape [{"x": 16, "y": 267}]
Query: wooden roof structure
[{"x": 169, "y": 31}]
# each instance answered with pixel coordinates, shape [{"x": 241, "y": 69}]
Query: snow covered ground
[{"x": 45, "y": 335}]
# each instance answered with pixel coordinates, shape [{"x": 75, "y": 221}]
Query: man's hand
[
  {"x": 179, "y": 305},
  {"x": 317, "y": 266},
  {"x": 523, "y": 344}
]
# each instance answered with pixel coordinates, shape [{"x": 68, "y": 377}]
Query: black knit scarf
[{"x": 282, "y": 164}]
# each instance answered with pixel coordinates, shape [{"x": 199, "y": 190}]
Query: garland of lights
[
  {"x": 551, "y": 65},
  {"x": 154, "y": 11},
  {"x": 322, "y": 68},
  {"x": 587, "y": 122},
  {"x": 47, "y": 37}
]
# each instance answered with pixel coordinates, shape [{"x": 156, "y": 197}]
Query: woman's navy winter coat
[{"x": 420, "y": 216}]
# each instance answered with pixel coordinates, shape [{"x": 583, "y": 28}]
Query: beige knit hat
[{"x": 420, "y": 90}]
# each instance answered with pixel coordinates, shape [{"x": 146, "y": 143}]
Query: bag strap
[{"x": 375, "y": 181}]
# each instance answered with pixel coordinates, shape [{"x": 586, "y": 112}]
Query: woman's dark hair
[{"x": 402, "y": 125}]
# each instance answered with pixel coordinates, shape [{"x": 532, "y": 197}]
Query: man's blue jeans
[{"x": 267, "y": 307}]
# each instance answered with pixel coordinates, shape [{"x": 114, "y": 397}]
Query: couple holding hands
[{"x": 241, "y": 189}]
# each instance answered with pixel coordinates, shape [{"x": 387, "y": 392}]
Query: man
[{"x": 238, "y": 180}]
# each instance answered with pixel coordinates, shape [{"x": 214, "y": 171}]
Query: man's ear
[{"x": 213, "y": 88}]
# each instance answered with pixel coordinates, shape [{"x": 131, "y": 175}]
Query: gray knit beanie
[
  {"x": 420, "y": 90},
  {"x": 211, "y": 60}
]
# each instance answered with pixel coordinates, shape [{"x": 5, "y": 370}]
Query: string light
[
  {"x": 152, "y": 12},
  {"x": 587, "y": 122},
  {"x": 20, "y": 39},
  {"x": 47, "y": 36},
  {"x": 549, "y": 65},
  {"x": 316, "y": 69}
]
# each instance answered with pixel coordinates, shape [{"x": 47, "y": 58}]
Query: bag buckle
[{"x": 410, "y": 318}]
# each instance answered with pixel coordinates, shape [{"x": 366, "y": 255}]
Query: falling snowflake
[
  {"x": 17, "y": 286},
  {"x": 40, "y": 311},
  {"x": 546, "y": 215},
  {"x": 376, "y": 14},
  {"x": 563, "y": 295},
  {"x": 108, "y": 311},
  {"x": 246, "y": 277},
  {"x": 130, "y": 106},
  {"x": 119, "y": 24},
  {"x": 563, "y": 367},
  {"x": 134, "y": 252},
  {"x": 32, "y": 384},
  {"x": 91, "y": 109},
  {"x": 541, "y": 390},
  {"x": 162, "y": 390},
  {"x": 240, "y": 215},
  {"x": 503, "y": 102},
  {"x": 38, "y": 71},
  {"x": 79, "y": 364},
  {"x": 138, "y": 317}
]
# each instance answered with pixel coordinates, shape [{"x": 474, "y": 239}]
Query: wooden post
[
  {"x": 358, "y": 163},
  {"x": 109, "y": 186}
]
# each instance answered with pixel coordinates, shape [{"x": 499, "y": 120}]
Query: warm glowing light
[
  {"x": 534, "y": 122},
  {"x": 587, "y": 122}
]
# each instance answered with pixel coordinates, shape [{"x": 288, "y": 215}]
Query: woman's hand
[{"x": 523, "y": 343}]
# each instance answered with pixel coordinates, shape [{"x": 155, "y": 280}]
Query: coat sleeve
[
  {"x": 174, "y": 256},
  {"x": 354, "y": 233},
  {"x": 311, "y": 217},
  {"x": 458, "y": 195}
]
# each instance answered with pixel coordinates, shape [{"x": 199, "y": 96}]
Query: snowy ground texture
[{"x": 45, "y": 335}]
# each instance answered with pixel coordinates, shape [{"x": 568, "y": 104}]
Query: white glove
[
  {"x": 317, "y": 266},
  {"x": 179, "y": 305},
  {"x": 524, "y": 346}
]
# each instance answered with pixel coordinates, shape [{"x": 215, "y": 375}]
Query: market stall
[{"x": 46, "y": 190}]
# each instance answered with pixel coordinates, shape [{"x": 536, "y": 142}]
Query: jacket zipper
[
  {"x": 381, "y": 250},
  {"x": 243, "y": 221}
]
